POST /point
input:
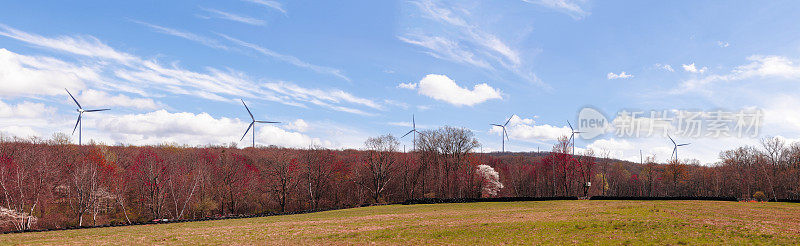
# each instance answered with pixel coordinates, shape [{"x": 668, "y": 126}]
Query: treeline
[{"x": 54, "y": 184}]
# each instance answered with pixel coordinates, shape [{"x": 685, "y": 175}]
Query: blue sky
[{"x": 337, "y": 72}]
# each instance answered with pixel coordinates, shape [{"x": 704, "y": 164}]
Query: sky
[{"x": 338, "y": 72}]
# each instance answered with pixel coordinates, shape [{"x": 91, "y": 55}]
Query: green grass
[{"x": 546, "y": 222}]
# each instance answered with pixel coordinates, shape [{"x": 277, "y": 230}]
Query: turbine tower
[
  {"x": 253, "y": 123},
  {"x": 80, "y": 110},
  {"x": 572, "y": 137},
  {"x": 413, "y": 130},
  {"x": 675, "y": 147},
  {"x": 505, "y": 134}
]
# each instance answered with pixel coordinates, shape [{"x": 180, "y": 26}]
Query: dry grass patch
[{"x": 536, "y": 222}]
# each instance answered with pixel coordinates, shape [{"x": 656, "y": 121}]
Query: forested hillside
[{"x": 53, "y": 184}]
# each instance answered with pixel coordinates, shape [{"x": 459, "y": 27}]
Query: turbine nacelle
[
  {"x": 675, "y": 146},
  {"x": 253, "y": 123},
  {"x": 504, "y": 135},
  {"x": 80, "y": 111}
]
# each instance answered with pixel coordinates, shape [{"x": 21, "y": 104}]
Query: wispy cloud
[
  {"x": 326, "y": 98},
  {"x": 665, "y": 67},
  {"x": 110, "y": 70},
  {"x": 569, "y": 7},
  {"x": 451, "y": 33},
  {"x": 79, "y": 45},
  {"x": 186, "y": 35},
  {"x": 286, "y": 58},
  {"x": 471, "y": 32},
  {"x": 445, "y": 49},
  {"x": 234, "y": 17},
  {"x": 271, "y": 4},
  {"x": 213, "y": 43}
]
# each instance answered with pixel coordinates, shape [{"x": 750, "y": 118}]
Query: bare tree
[
  {"x": 447, "y": 148},
  {"x": 282, "y": 177},
  {"x": 82, "y": 187},
  {"x": 379, "y": 162},
  {"x": 775, "y": 152}
]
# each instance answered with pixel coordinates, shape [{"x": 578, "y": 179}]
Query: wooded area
[{"x": 54, "y": 184}]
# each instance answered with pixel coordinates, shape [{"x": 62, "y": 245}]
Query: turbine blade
[
  {"x": 97, "y": 110},
  {"x": 248, "y": 110},
  {"x": 509, "y": 120},
  {"x": 684, "y": 144},
  {"x": 76, "y": 123},
  {"x": 413, "y": 122},
  {"x": 248, "y": 129},
  {"x": 73, "y": 99},
  {"x": 506, "y": 134},
  {"x": 570, "y": 126},
  {"x": 409, "y": 132},
  {"x": 670, "y": 139},
  {"x": 268, "y": 122},
  {"x": 496, "y": 125}
]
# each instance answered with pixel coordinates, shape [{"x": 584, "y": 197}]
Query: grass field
[{"x": 546, "y": 222}]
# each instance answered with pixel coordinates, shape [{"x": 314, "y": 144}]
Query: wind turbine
[
  {"x": 413, "y": 130},
  {"x": 675, "y": 148},
  {"x": 505, "y": 134},
  {"x": 572, "y": 137},
  {"x": 80, "y": 113},
  {"x": 253, "y": 123}
]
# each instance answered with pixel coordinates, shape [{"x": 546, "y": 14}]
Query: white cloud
[
  {"x": 409, "y": 85},
  {"x": 527, "y": 130},
  {"x": 693, "y": 69},
  {"x": 781, "y": 114},
  {"x": 19, "y": 131},
  {"x": 706, "y": 150},
  {"x": 621, "y": 75},
  {"x": 567, "y": 6},
  {"x": 22, "y": 75},
  {"x": 760, "y": 67},
  {"x": 234, "y": 17},
  {"x": 193, "y": 129},
  {"x": 271, "y": 4},
  {"x": 723, "y": 44},
  {"x": 298, "y": 125},
  {"x": 767, "y": 66},
  {"x": 102, "y": 99},
  {"x": 25, "y": 110},
  {"x": 665, "y": 67},
  {"x": 442, "y": 88}
]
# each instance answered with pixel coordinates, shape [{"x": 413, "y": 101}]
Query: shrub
[{"x": 759, "y": 196}]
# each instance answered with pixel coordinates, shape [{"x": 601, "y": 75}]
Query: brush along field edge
[{"x": 557, "y": 222}]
